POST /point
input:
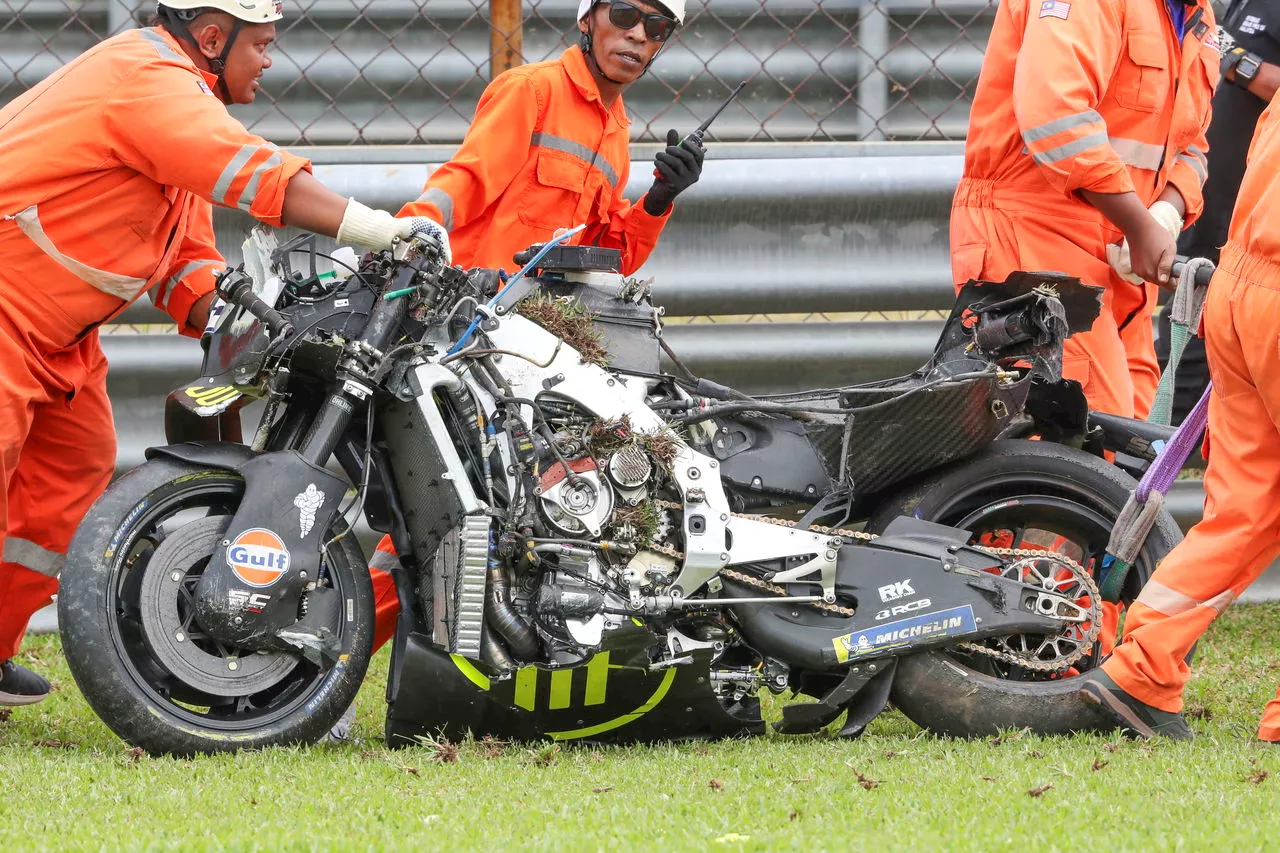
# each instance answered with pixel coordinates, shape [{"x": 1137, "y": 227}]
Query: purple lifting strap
[{"x": 1182, "y": 444}]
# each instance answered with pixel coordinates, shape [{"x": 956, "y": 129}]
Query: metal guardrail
[{"x": 814, "y": 228}]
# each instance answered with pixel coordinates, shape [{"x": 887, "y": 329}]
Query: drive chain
[{"x": 1085, "y": 643}]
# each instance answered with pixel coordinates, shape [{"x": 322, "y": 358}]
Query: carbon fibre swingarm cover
[{"x": 915, "y": 587}]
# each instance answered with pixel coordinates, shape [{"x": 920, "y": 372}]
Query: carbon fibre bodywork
[{"x": 954, "y": 406}]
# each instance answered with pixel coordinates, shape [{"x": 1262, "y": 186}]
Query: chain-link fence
[{"x": 411, "y": 71}]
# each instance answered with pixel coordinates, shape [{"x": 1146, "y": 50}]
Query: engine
[
  {"x": 598, "y": 502},
  {"x": 588, "y": 537}
]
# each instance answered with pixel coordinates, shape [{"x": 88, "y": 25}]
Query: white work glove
[
  {"x": 375, "y": 229},
  {"x": 1118, "y": 253}
]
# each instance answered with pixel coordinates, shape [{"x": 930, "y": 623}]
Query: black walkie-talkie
[{"x": 702, "y": 128}]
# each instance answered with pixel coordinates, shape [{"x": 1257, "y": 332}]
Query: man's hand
[
  {"x": 1151, "y": 250},
  {"x": 376, "y": 229},
  {"x": 1142, "y": 255},
  {"x": 676, "y": 168}
]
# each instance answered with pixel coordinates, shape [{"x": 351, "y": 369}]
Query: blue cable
[{"x": 542, "y": 253}]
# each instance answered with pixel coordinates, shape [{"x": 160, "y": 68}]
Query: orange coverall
[
  {"x": 1239, "y": 534},
  {"x": 542, "y": 153},
  {"x": 108, "y": 172},
  {"x": 1076, "y": 95}
]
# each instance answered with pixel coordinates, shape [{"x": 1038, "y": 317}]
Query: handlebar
[
  {"x": 1202, "y": 275},
  {"x": 236, "y": 287}
]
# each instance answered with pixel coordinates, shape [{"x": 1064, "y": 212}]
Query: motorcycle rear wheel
[
  {"x": 1019, "y": 494},
  {"x": 178, "y": 691}
]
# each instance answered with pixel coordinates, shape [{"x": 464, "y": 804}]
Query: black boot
[
  {"x": 1131, "y": 714},
  {"x": 20, "y": 686}
]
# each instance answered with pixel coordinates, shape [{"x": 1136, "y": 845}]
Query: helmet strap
[
  {"x": 587, "y": 44},
  {"x": 218, "y": 66}
]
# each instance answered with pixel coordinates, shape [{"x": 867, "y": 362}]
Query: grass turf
[{"x": 69, "y": 784}]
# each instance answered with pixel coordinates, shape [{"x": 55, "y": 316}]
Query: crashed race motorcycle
[{"x": 592, "y": 548}]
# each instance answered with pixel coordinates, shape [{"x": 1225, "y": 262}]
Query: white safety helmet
[
  {"x": 675, "y": 7},
  {"x": 249, "y": 11}
]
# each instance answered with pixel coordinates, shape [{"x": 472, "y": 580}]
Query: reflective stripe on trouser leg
[
  {"x": 33, "y": 557},
  {"x": 1237, "y": 538},
  {"x": 17, "y": 408},
  {"x": 30, "y": 578}
]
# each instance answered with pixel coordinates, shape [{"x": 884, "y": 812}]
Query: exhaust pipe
[
  {"x": 492, "y": 652},
  {"x": 502, "y": 617}
]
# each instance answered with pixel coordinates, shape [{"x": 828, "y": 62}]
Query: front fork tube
[{"x": 354, "y": 384}]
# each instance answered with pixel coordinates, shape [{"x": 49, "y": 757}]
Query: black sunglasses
[{"x": 657, "y": 27}]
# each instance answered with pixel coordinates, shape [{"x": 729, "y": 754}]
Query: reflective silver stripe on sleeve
[
  {"x": 1049, "y": 128},
  {"x": 120, "y": 286},
  {"x": 442, "y": 200},
  {"x": 251, "y": 189},
  {"x": 384, "y": 561},
  {"x": 223, "y": 186},
  {"x": 1071, "y": 149},
  {"x": 1141, "y": 155},
  {"x": 592, "y": 158},
  {"x": 162, "y": 298},
  {"x": 1196, "y": 166},
  {"x": 31, "y": 556},
  {"x": 162, "y": 47},
  {"x": 1170, "y": 602}
]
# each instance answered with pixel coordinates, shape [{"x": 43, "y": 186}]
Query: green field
[{"x": 69, "y": 784}]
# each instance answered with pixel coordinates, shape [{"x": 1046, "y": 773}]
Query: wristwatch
[{"x": 1246, "y": 66}]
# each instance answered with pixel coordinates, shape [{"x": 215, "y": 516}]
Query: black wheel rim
[{"x": 212, "y": 493}]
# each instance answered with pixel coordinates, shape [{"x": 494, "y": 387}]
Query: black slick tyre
[
  {"x": 138, "y": 679},
  {"x": 1033, "y": 494}
]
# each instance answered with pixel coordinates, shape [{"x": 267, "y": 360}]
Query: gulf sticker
[{"x": 258, "y": 557}]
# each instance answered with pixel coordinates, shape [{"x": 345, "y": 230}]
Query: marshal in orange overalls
[
  {"x": 543, "y": 153},
  {"x": 1098, "y": 95},
  {"x": 108, "y": 172},
  {"x": 1239, "y": 534}
]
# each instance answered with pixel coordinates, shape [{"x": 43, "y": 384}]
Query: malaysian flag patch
[{"x": 1055, "y": 9}]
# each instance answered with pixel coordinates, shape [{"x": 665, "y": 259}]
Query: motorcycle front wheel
[
  {"x": 1031, "y": 495},
  {"x": 143, "y": 662}
]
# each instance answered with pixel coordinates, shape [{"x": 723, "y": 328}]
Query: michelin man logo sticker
[
  {"x": 892, "y": 635},
  {"x": 307, "y": 502}
]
